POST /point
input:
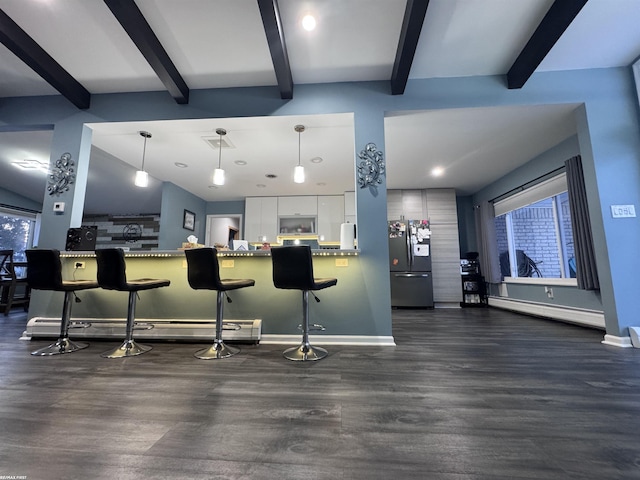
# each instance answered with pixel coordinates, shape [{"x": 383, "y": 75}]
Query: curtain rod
[{"x": 527, "y": 184}]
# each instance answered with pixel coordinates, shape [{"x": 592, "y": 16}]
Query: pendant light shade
[
  {"x": 298, "y": 172},
  {"x": 218, "y": 173},
  {"x": 142, "y": 177}
]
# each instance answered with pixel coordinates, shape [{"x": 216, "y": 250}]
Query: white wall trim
[
  {"x": 581, "y": 316},
  {"x": 622, "y": 342},
  {"x": 361, "y": 340}
]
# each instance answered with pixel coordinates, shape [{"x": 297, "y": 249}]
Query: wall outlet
[
  {"x": 58, "y": 207},
  {"x": 227, "y": 263},
  {"x": 342, "y": 262},
  {"x": 79, "y": 265},
  {"x": 549, "y": 292}
]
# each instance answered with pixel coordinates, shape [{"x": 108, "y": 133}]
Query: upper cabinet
[
  {"x": 298, "y": 205},
  {"x": 322, "y": 215},
  {"x": 350, "y": 207},
  {"x": 261, "y": 219},
  {"x": 330, "y": 217}
]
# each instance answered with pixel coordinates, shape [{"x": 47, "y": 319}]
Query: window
[
  {"x": 534, "y": 234},
  {"x": 17, "y": 231}
]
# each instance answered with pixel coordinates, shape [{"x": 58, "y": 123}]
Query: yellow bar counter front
[{"x": 263, "y": 313}]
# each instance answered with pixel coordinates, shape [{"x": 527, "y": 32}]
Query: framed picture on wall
[{"x": 189, "y": 220}]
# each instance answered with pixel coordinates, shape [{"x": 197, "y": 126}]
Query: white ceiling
[{"x": 221, "y": 43}]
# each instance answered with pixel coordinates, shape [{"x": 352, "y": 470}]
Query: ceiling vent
[{"x": 217, "y": 142}]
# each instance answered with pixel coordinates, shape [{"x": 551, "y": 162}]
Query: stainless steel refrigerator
[{"x": 410, "y": 263}]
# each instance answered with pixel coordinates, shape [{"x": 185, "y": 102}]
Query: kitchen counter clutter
[
  {"x": 177, "y": 312},
  {"x": 221, "y": 253}
]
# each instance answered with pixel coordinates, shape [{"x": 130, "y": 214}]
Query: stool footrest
[{"x": 79, "y": 324}]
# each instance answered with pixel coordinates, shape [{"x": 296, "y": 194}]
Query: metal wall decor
[
  {"x": 371, "y": 166},
  {"x": 62, "y": 175},
  {"x": 132, "y": 232}
]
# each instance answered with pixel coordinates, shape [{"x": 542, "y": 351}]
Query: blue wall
[
  {"x": 175, "y": 201},
  {"x": 607, "y": 136},
  {"x": 15, "y": 200}
]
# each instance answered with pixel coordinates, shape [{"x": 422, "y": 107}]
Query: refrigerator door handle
[
  {"x": 409, "y": 253},
  {"x": 409, "y": 275}
]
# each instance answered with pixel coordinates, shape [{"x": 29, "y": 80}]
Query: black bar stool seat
[
  {"x": 203, "y": 273},
  {"x": 112, "y": 276},
  {"x": 44, "y": 272},
  {"x": 293, "y": 270}
]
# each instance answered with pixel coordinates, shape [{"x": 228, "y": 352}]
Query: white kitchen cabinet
[
  {"x": 298, "y": 205},
  {"x": 350, "y": 215},
  {"x": 261, "y": 219},
  {"x": 330, "y": 217}
]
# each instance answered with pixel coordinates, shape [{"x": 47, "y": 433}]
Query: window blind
[{"x": 540, "y": 191}]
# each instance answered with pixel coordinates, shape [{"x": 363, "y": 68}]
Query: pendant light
[
  {"x": 142, "y": 177},
  {"x": 218, "y": 173},
  {"x": 298, "y": 172}
]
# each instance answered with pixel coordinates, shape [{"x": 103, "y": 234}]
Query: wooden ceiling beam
[
  {"x": 275, "y": 38},
  {"x": 551, "y": 28},
  {"x": 28, "y": 51},
  {"x": 137, "y": 27},
  {"x": 414, "y": 16}
]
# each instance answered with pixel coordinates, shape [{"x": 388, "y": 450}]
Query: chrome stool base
[
  {"x": 63, "y": 345},
  {"x": 215, "y": 351},
  {"x": 305, "y": 353},
  {"x": 130, "y": 348}
]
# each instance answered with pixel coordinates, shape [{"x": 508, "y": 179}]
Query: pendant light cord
[{"x": 144, "y": 151}]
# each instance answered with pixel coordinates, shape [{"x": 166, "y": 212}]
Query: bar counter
[{"x": 264, "y": 313}]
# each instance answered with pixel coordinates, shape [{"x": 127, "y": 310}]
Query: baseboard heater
[
  {"x": 245, "y": 331},
  {"x": 589, "y": 318}
]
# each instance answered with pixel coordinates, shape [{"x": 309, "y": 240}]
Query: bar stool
[
  {"x": 293, "y": 269},
  {"x": 203, "y": 273},
  {"x": 112, "y": 276},
  {"x": 44, "y": 272}
]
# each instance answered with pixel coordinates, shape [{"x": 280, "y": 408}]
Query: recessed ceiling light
[
  {"x": 316, "y": 160},
  {"x": 308, "y": 22},
  {"x": 240, "y": 162},
  {"x": 437, "y": 171},
  {"x": 181, "y": 165}
]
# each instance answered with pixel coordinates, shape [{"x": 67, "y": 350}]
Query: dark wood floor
[{"x": 465, "y": 394}]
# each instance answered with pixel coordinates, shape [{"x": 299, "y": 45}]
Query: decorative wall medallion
[
  {"x": 371, "y": 166},
  {"x": 132, "y": 232},
  {"x": 62, "y": 175}
]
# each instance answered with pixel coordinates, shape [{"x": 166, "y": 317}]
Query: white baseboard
[
  {"x": 580, "y": 316},
  {"x": 622, "y": 342},
  {"x": 361, "y": 340}
]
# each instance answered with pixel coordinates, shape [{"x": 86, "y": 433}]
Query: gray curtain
[
  {"x": 586, "y": 271},
  {"x": 487, "y": 242}
]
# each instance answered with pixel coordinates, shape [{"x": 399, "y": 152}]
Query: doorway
[{"x": 221, "y": 229}]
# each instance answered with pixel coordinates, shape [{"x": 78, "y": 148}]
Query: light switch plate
[
  {"x": 227, "y": 263},
  {"x": 342, "y": 262},
  {"x": 623, "y": 211}
]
